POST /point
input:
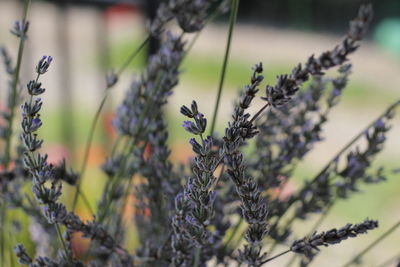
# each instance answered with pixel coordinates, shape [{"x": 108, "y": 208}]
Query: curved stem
[
  {"x": 87, "y": 152},
  {"x": 232, "y": 22},
  {"x": 63, "y": 244},
  {"x": 94, "y": 124},
  {"x": 372, "y": 245}
]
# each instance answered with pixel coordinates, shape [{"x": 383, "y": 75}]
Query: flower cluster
[
  {"x": 195, "y": 207},
  {"x": 253, "y": 206},
  {"x": 308, "y": 245},
  {"x": 287, "y": 85},
  {"x": 288, "y": 133},
  {"x": 37, "y": 164},
  {"x": 152, "y": 89},
  {"x": 338, "y": 182},
  {"x": 21, "y": 29},
  {"x": 190, "y": 15}
]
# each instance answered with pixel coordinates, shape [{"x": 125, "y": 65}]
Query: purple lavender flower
[{"x": 44, "y": 64}]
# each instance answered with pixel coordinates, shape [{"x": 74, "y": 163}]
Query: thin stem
[
  {"x": 94, "y": 124},
  {"x": 110, "y": 187},
  {"x": 115, "y": 145},
  {"x": 132, "y": 56},
  {"x": 391, "y": 260},
  {"x": 87, "y": 151},
  {"x": 138, "y": 132},
  {"x": 126, "y": 197},
  {"x": 197, "y": 35},
  {"x": 315, "y": 227},
  {"x": 290, "y": 221},
  {"x": 14, "y": 90},
  {"x": 197, "y": 257},
  {"x": 276, "y": 256},
  {"x": 372, "y": 245},
  {"x": 7, "y": 149},
  {"x": 63, "y": 243},
  {"x": 234, "y": 231},
  {"x": 114, "y": 181},
  {"x": 322, "y": 217},
  {"x": 259, "y": 113},
  {"x": 100, "y": 108},
  {"x": 344, "y": 149},
  {"x": 232, "y": 22},
  {"x": 12, "y": 240},
  {"x": 352, "y": 141},
  {"x": 2, "y": 240}
]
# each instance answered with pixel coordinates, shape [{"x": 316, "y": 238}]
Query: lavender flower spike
[{"x": 309, "y": 245}]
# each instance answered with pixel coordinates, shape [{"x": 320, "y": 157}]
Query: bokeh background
[{"x": 87, "y": 38}]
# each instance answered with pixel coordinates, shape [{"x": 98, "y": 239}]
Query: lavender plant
[{"x": 220, "y": 208}]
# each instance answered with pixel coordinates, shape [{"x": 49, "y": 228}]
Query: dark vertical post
[{"x": 151, "y": 10}]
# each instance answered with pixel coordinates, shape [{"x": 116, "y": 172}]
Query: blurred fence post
[
  {"x": 151, "y": 10},
  {"x": 63, "y": 44}
]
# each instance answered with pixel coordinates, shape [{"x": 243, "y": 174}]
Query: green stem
[
  {"x": 197, "y": 35},
  {"x": 63, "y": 244},
  {"x": 322, "y": 217},
  {"x": 232, "y": 22},
  {"x": 358, "y": 257},
  {"x": 100, "y": 108},
  {"x": 114, "y": 181},
  {"x": 13, "y": 103},
  {"x": 3, "y": 231},
  {"x": 110, "y": 187},
  {"x": 197, "y": 257},
  {"x": 94, "y": 124},
  {"x": 132, "y": 56},
  {"x": 134, "y": 141},
  {"x": 7, "y": 149},
  {"x": 352, "y": 141},
  {"x": 126, "y": 197},
  {"x": 87, "y": 152},
  {"x": 10, "y": 251},
  {"x": 275, "y": 243},
  {"x": 234, "y": 231}
]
